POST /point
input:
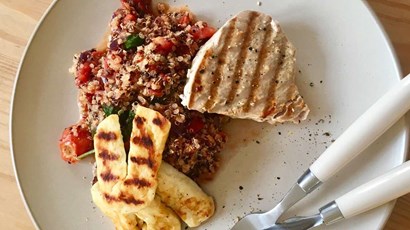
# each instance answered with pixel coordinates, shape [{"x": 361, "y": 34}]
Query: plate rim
[
  {"x": 22, "y": 61},
  {"x": 398, "y": 68},
  {"x": 373, "y": 15}
]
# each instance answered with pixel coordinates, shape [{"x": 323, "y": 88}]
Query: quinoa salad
[{"x": 145, "y": 62}]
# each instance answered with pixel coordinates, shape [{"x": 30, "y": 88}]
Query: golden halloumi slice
[
  {"x": 157, "y": 216},
  {"x": 184, "y": 196},
  {"x": 129, "y": 189},
  {"x": 109, "y": 154},
  {"x": 127, "y": 221},
  {"x": 149, "y": 135}
]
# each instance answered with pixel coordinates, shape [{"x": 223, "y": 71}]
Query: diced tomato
[
  {"x": 144, "y": 6},
  {"x": 129, "y": 18},
  {"x": 184, "y": 20},
  {"x": 84, "y": 74},
  {"x": 89, "y": 97},
  {"x": 163, "y": 45},
  {"x": 84, "y": 70},
  {"x": 202, "y": 33},
  {"x": 153, "y": 92},
  {"x": 195, "y": 125},
  {"x": 75, "y": 141}
]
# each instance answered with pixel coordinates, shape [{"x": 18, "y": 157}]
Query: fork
[
  {"x": 366, "y": 129},
  {"x": 374, "y": 193}
]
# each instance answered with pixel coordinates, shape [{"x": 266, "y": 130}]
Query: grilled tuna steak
[{"x": 246, "y": 70}]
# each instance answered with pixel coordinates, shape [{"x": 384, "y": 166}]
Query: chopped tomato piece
[
  {"x": 202, "y": 33},
  {"x": 195, "y": 125},
  {"x": 153, "y": 92},
  {"x": 129, "y": 18},
  {"x": 184, "y": 20},
  {"x": 75, "y": 141},
  {"x": 163, "y": 45},
  {"x": 84, "y": 74},
  {"x": 84, "y": 70}
]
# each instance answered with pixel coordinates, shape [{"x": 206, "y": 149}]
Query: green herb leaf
[
  {"x": 125, "y": 116},
  {"x": 108, "y": 110},
  {"x": 133, "y": 41},
  {"x": 86, "y": 154},
  {"x": 126, "y": 124}
]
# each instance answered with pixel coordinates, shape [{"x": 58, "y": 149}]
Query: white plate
[{"x": 341, "y": 50}]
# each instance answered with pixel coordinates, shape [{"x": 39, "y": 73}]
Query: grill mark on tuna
[
  {"x": 105, "y": 155},
  {"x": 107, "y": 136},
  {"x": 197, "y": 85},
  {"x": 242, "y": 57},
  {"x": 216, "y": 81},
  {"x": 270, "y": 107},
  {"x": 137, "y": 182},
  {"x": 263, "y": 54},
  {"x": 108, "y": 176}
]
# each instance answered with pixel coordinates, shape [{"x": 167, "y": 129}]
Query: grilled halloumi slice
[
  {"x": 148, "y": 137},
  {"x": 127, "y": 189},
  {"x": 246, "y": 70},
  {"x": 122, "y": 221},
  {"x": 109, "y": 154},
  {"x": 184, "y": 196},
  {"x": 126, "y": 193},
  {"x": 157, "y": 216}
]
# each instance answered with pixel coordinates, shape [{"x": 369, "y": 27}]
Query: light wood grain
[
  {"x": 395, "y": 17},
  {"x": 17, "y": 21}
]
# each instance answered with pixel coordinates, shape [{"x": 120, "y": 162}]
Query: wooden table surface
[{"x": 17, "y": 21}]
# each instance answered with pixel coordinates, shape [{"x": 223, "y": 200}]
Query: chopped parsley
[{"x": 133, "y": 41}]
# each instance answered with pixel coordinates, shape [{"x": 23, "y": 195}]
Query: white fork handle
[
  {"x": 378, "y": 191},
  {"x": 366, "y": 129}
]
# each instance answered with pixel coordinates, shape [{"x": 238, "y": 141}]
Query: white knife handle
[
  {"x": 378, "y": 191},
  {"x": 366, "y": 129}
]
